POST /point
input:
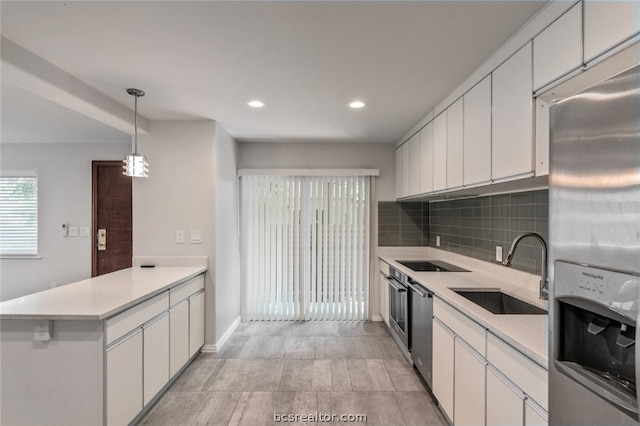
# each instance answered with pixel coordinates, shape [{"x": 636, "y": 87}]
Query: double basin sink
[{"x": 497, "y": 302}]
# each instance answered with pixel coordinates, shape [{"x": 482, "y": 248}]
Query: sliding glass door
[{"x": 305, "y": 247}]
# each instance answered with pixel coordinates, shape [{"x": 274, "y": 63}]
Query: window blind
[
  {"x": 305, "y": 247},
  {"x": 19, "y": 213}
]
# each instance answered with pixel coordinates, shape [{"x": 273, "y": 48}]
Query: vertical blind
[
  {"x": 19, "y": 213},
  {"x": 305, "y": 247}
]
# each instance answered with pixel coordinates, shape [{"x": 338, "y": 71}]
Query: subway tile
[{"x": 523, "y": 198}]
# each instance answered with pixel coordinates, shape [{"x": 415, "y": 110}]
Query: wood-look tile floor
[{"x": 299, "y": 368}]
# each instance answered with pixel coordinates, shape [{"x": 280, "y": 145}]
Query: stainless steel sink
[{"x": 498, "y": 302}]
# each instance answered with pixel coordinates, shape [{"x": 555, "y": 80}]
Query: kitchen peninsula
[{"x": 100, "y": 350}]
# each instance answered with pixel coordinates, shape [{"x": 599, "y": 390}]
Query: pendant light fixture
[{"x": 135, "y": 165}]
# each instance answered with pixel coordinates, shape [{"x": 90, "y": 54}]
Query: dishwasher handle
[{"x": 418, "y": 290}]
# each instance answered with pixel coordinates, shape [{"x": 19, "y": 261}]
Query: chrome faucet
[{"x": 544, "y": 281}]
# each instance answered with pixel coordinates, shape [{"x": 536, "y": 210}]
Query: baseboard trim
[
  {"x": 226, "y": 335},
  {"x": 208, "y": 349},
  {"x": 376, "y": 318}
]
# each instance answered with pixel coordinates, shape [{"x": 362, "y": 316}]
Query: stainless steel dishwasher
[{"x": 421, "y": 329}]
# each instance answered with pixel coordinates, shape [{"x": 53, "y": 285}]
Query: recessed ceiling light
[
  {"x": 356, "y": 104},
  {"x": 256, "y": 104}
]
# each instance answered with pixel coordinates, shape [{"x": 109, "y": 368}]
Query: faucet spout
[{"x": 544, "y": 281}]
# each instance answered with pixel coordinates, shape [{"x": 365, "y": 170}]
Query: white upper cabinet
[
  {"x": 512, "y": 117},
  {"x": 440, "y": 152},
  {"x": 406, "y": 157},
  {"x": 455, "y": 144},
  {"x": 402, "y": 170},
  {"x": 414, "y": 164},
  {"x": 607, "y": 23},
  {"x": 477, "y": 133},
  {"x": 557, "y": 50},
  {"x": 426, "y": 158},
  {"x": 398, "y": 180}
]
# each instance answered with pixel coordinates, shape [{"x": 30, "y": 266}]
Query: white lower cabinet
[
  {"x": 534, "y": 415},
  {"x": 156, "y": 355},
  {"x": 124, "y": 379},
  {"x": 384, "y": 298},
  {"x": 469, "y": 385},
  {"x": 178, "y": 336},
  {"x": 196, "y": 323},
  {"x": 443, "y": 367},
  {"x": 503, "y": 387},
  {"x": 505, "y": 403}
]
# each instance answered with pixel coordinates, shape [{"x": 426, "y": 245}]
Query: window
[
  {"x": 305, "y": 247},
  {"x": 18, "y": 213}
]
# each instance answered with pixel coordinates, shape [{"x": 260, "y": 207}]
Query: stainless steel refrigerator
[{"x": 594, "y": 254}]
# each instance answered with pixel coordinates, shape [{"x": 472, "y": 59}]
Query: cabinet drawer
[
  {"x": 184, "y": 290},
  {"x": 121, "y": 324},
  {"x": 526, "y": 374},
  {"x": 384, "y": 268},
  {"x": 470, "y": 331}
]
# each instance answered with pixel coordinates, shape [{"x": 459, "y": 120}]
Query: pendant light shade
[{"x": 135, "y": 165}]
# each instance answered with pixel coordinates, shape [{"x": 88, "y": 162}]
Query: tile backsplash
[
  {"x": 403, "y": 224},
  {"x": 471, "y": 227}
]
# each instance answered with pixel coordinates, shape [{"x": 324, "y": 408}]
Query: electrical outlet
[
  {"x": 437, "y": 240},
  {"x": 43, "y": 330},
  {"x": 498, "y": 253},
  {"x": 84, "y": 231},
  {"x": 195, "y": 237},
  {"x": 73, "y": 231},
  {"x": 179, "y": 237}
]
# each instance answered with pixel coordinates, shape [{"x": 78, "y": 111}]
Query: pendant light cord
[{"x": 135, "y": 121}]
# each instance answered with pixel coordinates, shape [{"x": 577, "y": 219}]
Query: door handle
[{"x": 102, "y": 239}]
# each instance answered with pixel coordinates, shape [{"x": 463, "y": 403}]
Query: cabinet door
[
  {"x": 440, "y": 152},
  {"x": 477, "y": 133},
  {"x": 124, "y": 379},
  {"x": 156, "y": 356},
  {"x": 414, "y": 164},
  {"x": 399, "y": 172},
  {"x": 406, "y": 165},
  {"x": 534, "y": 415},
  {"x": 607, "y": 23},
  {"x": 426, "y": 158},
  {"x": 443, "y": 346},
  {"x": 505, "y": 404},
  {"x": 512, "y": 117},
  {"x": 469, "y": 385},
  {"x": 455, "y": 143},
  {"x": 196, "y": 323},
  {"x": 384, "y": 299},
  {"x": 557, "y": 50},
  {"x": 178, "y": 336}
]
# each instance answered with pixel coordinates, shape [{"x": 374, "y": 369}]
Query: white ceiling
[{"x": 306, "y": 60}]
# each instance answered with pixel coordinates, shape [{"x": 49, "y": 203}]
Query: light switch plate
[
  {"x": 84, "y": 231},
  {"x": 498, "y": 253},
  {"x": 73, "y": 231},
  {"x": 179, "y": 237},
  {"x": 195, "y": 236}
]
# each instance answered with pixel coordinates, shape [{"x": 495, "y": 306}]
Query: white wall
[
  {"x": 264, "y": 155},
  {"x": 192, "y": 186},
  {"x": 227, "y": 248},
  {"x": 64, "y": 196}
]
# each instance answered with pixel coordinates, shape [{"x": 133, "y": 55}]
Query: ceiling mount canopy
[{"x": 135, "y": 165}]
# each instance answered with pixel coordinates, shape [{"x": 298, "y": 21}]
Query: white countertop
[
  {"x": 526, "y": 333},
  {"x": 100, "y": 297}
]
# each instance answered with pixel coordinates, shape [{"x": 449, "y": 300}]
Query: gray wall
[
  {"x": 266, "y": 155},
  {"x": 64, "y": 196},
  {"x": 192, "y": 186}
]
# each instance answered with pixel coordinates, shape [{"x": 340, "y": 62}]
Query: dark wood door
[{"x": 112, "y": 215}]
